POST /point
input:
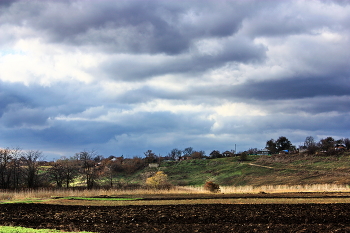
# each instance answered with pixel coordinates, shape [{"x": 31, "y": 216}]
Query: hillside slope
[{"x": 258, "y": 170}]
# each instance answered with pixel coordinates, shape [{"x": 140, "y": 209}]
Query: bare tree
[
  {"x": 175, "y": 154},
  {"x": 327, "y": 145},
  {"x": 56, "y": 173},
  {"x": 88, "y": 167},
  {"x": 5, "y": 170},
  {"x": 31, "y": 170},
  {"x": 15, "y": 168},
  {"x": 150, "y": 157},
  {"x": 310, "y": 145},
  {"x": 188, "y": 151},
  {"x": 70, "y": 168},
  {"x": 64, "y": 171}
]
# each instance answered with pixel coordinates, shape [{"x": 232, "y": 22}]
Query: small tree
[
  {"x": 198, "y": 155},
  {"x": 188, "y": 151},
  {"x": 212, "y": 187},
  {"x": 271, "y": 146},
  {"x": 243, "y": 156},
  {"x": 283, "y": 143},
  {"x": 158, "y": 181},
  {"x": 215, "y": 154},
  {"x": 310, "y": 145}
]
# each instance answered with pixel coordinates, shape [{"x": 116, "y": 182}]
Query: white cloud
[
  {"x": 160, "y": 75},
  {"x": 35, "y": 62}
]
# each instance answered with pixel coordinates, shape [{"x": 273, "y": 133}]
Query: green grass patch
[
  {"x": 26, "y": 201},
  {"x": 7, "y": 229}
]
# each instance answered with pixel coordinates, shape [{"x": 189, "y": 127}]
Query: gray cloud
[
  {"x": 129, "y": 26},
  {"x": 293, "y": 88},
  {"x": 127, "y": 76},
  {"x": 236, "y": 50}
]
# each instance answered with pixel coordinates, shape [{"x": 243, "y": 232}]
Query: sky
[{"x": 123, "y": 77}]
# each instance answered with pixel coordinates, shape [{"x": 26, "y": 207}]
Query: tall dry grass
[
  {"x": 49, "y": 193},
  {"x": 6, "y": 195},
  {"x": 287, "y": 188}
]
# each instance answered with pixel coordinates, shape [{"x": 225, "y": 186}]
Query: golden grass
[
  {"x": 287, "y": 188},
  {"x": 48, "y": 193},
  {"x": 278, "y": 188}
]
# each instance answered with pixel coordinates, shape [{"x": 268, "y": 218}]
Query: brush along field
[{"x": 180, "y": 211}]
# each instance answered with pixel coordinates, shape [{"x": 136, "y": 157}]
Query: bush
[
  {"x": 244, "y": 156},
  {"x": 158, "y": 181},
  {"x": 212, "y": 187}
]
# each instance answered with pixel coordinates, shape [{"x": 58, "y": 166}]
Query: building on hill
[
  {"x": 228, "y": 154},
  {"x": 264, "y": 152},
  {"x": 340, "y": 147}
]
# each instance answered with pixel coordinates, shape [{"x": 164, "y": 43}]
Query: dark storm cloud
[
  {"x": 7, "y": 2},
  {"x": 237, "y": 50},
  {"x": 130, "y": 26},
  {"x": 81, "y": 133},
  {"x": 287, "y": 123},
  {"x": 7, "y": 99},
  {"x": 292, "y": 88}
]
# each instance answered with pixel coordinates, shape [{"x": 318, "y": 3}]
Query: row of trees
[
  {"x": 281, "y": 144},
  {"x": 25, "y": 169},
  {"x": 91, "y": 167},
  {"x": 327, "y": 145},
  {"x": 19, "y": 169}
]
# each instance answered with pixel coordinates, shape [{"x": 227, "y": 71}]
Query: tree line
[
  {"x": 327, "y": 146},
  {"x": 19, "y": 169},
  {"x": 25, "y": 169}
]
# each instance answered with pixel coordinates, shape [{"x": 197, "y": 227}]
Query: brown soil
[{"x": 181, "y": 218}]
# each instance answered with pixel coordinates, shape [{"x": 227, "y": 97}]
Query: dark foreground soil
[{"x": 181, "y": 218}]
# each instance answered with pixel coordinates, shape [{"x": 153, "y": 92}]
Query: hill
[{"x": 295, "y": 169}]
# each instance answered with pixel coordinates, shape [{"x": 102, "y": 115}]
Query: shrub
[
  {"x": 212, "y": 187},
  {"x": 158, "y": 181},
  {"x": 244, "y": 156}
]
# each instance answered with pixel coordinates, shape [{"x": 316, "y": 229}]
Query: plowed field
[{"x": 181, "y": 218}]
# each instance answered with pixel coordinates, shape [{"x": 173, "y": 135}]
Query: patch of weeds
[{"x": 8, "y": 229}]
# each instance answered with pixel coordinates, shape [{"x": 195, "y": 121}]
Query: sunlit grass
[
  {"x": 9, "y": 229},
  {"x": 49, "y": 193},
  {"x": 277, "y": 188},
  {"x": 41, "y": 194}
]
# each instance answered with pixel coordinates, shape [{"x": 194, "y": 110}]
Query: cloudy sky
[{"x": 125, "y": 76}]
